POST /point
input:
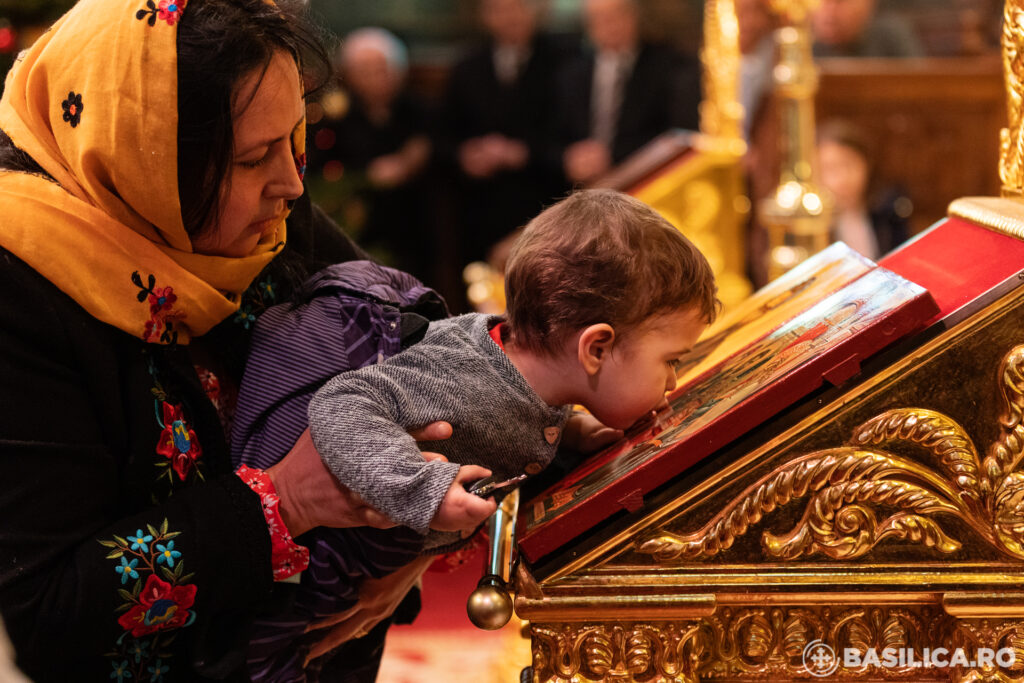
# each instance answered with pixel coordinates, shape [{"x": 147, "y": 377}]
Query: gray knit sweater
[{"x": 359, "y": 421}]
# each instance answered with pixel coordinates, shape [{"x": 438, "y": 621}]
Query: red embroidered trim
[{"x": 287, "y": 557}]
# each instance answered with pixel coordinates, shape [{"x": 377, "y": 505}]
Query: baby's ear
[{"x": 594, "y": 345}]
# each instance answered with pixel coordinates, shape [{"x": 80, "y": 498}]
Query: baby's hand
[
  {"x": 461, "y": 510},
  {"x": 584, "y": 433}
]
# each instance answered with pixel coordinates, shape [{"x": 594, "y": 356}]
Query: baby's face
[{"x": 641, "y": 367}]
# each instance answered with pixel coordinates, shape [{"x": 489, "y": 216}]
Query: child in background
[
  {"x": 868, "y": 216},
  {"x": 604, "y": 298}
]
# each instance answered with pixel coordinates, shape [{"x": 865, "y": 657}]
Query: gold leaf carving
[
  {"x": 795, "y": 635},
  {"x": 758, "y": 640},
  {"x": 692, "y": 650},
  {"x": 1005, "y": 454},
  {"x": 860, "y": 495},
  {"x": 894, "y": 633},
  {"x": 598, "y": 653},
  {"x": 638, "y": 652},
  {"x": 943, "y": 437}
]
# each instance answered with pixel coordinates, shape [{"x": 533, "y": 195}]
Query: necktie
[{"x": 606, "y": 102}]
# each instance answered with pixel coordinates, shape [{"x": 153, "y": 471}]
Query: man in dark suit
[
  {"x": 853, "y": 28},
  {"x": 493, "y": 123},
  {"x": 617, "y": 98}
]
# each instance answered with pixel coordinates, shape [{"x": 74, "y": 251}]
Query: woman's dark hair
[
  {"x": 13, "y": 159},
  {"x": 219, "y": 42}
]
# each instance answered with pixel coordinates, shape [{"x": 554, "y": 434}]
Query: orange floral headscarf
[{"x": 94, "y": 102}]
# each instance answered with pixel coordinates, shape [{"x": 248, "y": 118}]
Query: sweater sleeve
[
  {"x": 85, "y": 560},
  {"x": 359, "y": 422}
]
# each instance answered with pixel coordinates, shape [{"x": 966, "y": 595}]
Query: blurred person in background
[
  {"x": 757, "y": 57},
  {"x": 374, "y": 147},
  {"x": 620, "y": 95},
  {"x": 867, "y": 216},
  {"x": 854, "y": 28},
  {"x": 496, "y": 112}
]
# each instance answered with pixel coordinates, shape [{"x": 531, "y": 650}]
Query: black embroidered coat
[{"x": 128, "y": 548}]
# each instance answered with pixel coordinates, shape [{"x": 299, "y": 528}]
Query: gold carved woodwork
[
  {"x": 847, "y": 489},
  {"x": 1011, "y": 139},
  {"x": 768, "y": 643},
  {"x": 791, "y": 538}
]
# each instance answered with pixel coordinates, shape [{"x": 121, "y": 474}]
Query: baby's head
[{"x": 601, "y": 279}]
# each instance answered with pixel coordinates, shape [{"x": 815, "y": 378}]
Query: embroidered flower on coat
[
  {"x": 178, "y": 441},
  {"x": 210, "y": 383},
  {"x": 153, "y": 606},
  {"x": 267, "y": 289},
  {"x": 72, "y": 107},
  {"x": 167, "y": 554},
  {"x": 121, "y": 671},
  {"x": 140, "y": 541},
  {"x": 160, "y": 606},
  {"x": 127, "y": 569},
  {"x": 157, "y": 671},
  {"x": 160, "y": 326},
  {"x": 138, "y": 649},
  {"x": 245, "y": 317}
]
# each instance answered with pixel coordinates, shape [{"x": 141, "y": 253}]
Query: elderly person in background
[
  {"x": 852, "y": 28},
  {"x": 621, "y": 95},
  {"x": 381, "y": 143}
]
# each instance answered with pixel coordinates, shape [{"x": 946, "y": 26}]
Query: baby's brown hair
[{"x": 600, "y": 256}]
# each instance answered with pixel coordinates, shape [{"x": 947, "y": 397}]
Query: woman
[{"x": 129, "y": 550}]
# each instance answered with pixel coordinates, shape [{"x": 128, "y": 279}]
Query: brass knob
[{"x": 489, "y": 606}]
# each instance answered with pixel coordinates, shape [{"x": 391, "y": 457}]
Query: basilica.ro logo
[{"x": 819, "y": 659}]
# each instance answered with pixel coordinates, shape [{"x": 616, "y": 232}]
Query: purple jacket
[{"x": 350, "y": 315}]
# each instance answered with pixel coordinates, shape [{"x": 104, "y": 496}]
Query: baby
[{"x": 604, "y": 296}]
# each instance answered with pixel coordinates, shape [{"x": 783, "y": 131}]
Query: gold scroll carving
[
  {"x": 771, "y": 643},
  {"x": 861, "y": 494}
]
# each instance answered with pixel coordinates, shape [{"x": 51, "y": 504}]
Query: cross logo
[{"x": 819, "y": 659}]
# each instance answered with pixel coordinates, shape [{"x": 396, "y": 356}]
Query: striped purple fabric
[{"x": 350, "y": 316}]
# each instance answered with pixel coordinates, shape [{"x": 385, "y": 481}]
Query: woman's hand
[
  {"x": 311, "y": 496},
  {"x": 378, "y": 598}
]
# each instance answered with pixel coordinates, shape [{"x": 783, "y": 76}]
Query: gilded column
[{"x": 797, "y": 214}]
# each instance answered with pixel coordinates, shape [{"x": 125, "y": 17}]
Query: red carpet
[{"x": 444, "y": 646}]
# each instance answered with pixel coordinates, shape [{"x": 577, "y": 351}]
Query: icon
[{"x": 819, "y": 659}]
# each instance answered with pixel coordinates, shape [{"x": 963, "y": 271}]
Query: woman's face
[{"x": 263, "y": 176}]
